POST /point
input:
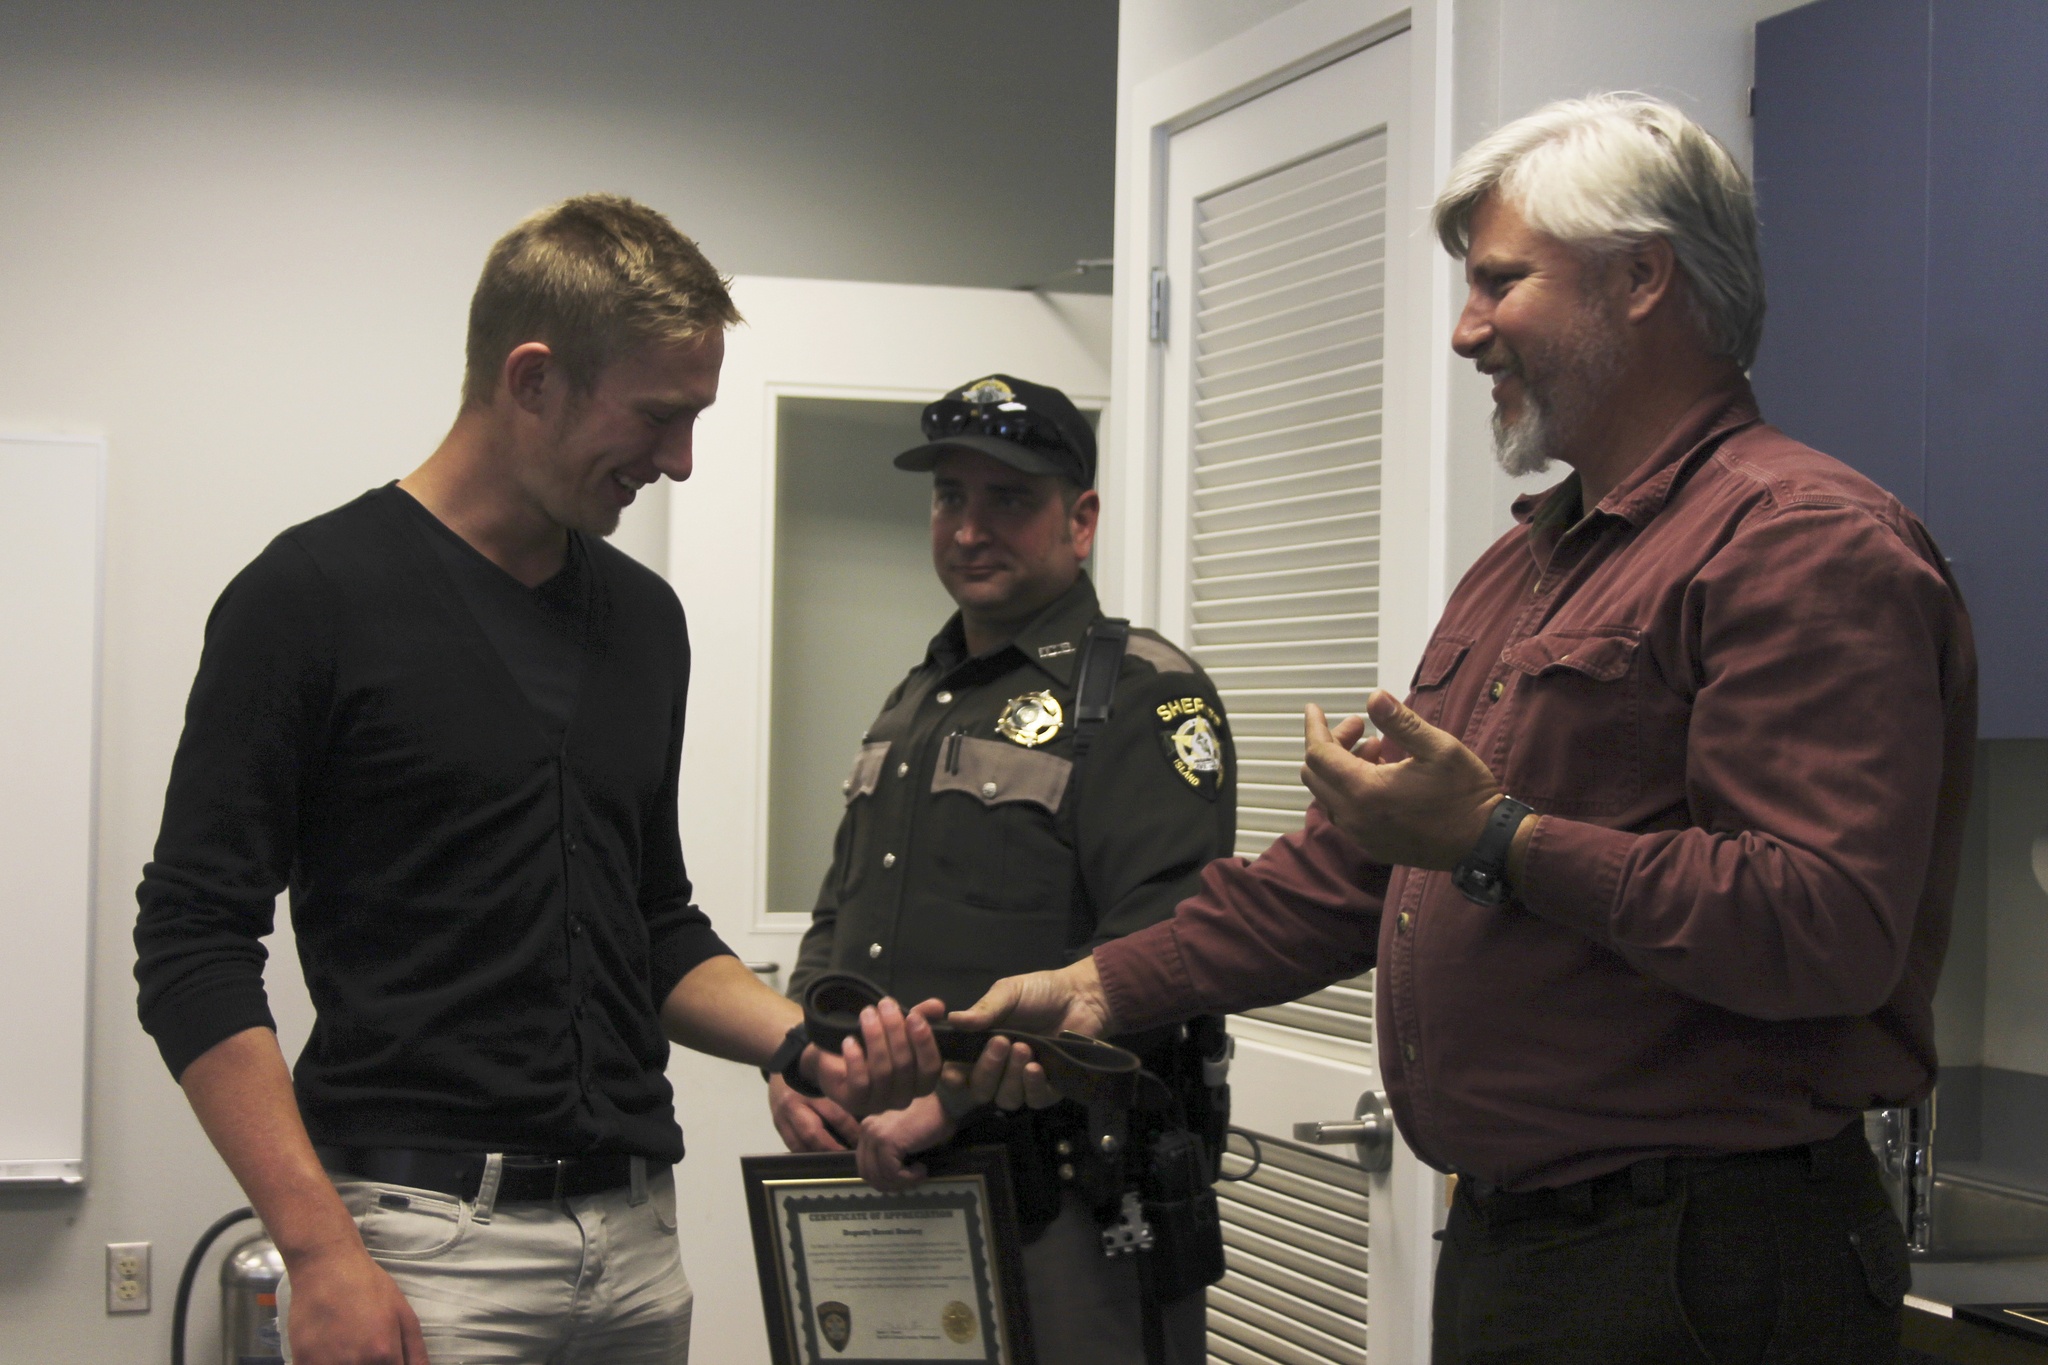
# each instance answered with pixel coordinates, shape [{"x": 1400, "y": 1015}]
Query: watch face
[{"x": 1479, "y": 885}]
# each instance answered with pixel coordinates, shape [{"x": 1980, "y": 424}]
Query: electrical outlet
[{"x": 127, "y": 1277}]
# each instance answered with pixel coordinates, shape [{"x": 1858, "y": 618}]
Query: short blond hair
[
  {"x": 1610, "y": 171},
  {"x": 591, "y": 277}
]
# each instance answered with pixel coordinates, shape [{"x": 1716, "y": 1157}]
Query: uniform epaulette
[{"x": 1155, "y": 650}]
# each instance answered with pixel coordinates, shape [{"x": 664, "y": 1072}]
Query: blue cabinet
[{"x": 1902, "y": 179}]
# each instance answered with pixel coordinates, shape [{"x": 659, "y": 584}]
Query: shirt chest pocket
[
  {"x": 995, "y": 832},
  {"x": 1433, "y": 676},
  {"x": 1574, "y": 738},
  {"x": 858, "y": 787}
]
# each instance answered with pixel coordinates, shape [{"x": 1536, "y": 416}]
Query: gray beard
[
  {"x": 1581, "y": 377},
  {"x": 1527, "y": 446}
]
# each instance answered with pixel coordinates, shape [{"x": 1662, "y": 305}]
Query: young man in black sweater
[{"x": 448, "y": 718}]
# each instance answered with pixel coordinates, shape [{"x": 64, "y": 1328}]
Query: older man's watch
[{"x": 1483, "y": 875}]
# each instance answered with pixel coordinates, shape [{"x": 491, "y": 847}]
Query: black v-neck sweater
[{"x": 488, "y": 921}]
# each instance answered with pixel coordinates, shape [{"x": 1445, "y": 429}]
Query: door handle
[
  {"x": 764, "y": 968},
  {"x": 1370, "y": 1133}
]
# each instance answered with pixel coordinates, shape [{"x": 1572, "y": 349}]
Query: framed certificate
[{"x": 854, "y": 1276}]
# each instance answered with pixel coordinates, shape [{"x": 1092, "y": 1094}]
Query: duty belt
[{"x": 1098, "y": 1075}]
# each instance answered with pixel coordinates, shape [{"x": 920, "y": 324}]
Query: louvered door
[
  {"x": 1287, "y": 327},
  {"x": 1275, "y": 405},
  {"x": 1295, "y": 1228}
]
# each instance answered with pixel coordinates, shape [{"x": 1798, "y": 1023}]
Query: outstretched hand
[
  {"x": 1410, "y": 795},
  {"x": 1069, "y": 999}
]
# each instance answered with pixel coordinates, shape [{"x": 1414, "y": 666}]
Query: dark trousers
[
  {"x": 1088, "y": 1310},
  {"x": 1791, "y": 1257}
]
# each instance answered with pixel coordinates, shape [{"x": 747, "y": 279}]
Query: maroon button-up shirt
[{"x": 1742, "y": 694}]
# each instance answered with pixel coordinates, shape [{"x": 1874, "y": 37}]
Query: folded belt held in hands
[{"x": 1101, "y": 1076}]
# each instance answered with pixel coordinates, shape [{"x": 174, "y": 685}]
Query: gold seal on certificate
[{"x": 851, "y": 1273}]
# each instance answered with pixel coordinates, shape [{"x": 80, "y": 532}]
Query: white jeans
[{"x": 594, "y": 1278}]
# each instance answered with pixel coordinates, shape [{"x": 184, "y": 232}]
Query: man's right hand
[
  {"x": 889, "y": 1140},
  {"x": 346, "y": 1311},
  {"x": 1069, "y": 999},
  {"x": 894, "y": 1060},
  {"x": 808, "y": 1125}
]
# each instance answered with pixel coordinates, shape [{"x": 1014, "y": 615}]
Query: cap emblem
[
  {"x": 1030, "y": 720},
  {"x": 987, "y": 391}
]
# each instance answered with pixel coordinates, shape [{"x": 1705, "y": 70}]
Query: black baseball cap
[{"x": 1027, "y": 426}]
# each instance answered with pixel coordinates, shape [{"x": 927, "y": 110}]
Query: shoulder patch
[
  {"x": 1191, "y": 741},
  {"x": 1154, "y": 650}
]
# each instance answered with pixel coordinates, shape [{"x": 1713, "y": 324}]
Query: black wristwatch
[
  {"x": 1483, "y": 876},
  {"x": 787, "y": 1063}
]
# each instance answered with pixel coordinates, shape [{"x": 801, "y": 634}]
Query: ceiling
[{"x": 923, "y": 141}]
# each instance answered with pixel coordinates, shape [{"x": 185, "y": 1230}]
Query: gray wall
[
  {"x": 855, "y": 602},
  {"x": 239, "y": 239}
]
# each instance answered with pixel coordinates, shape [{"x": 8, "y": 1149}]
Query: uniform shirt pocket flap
[
  {"x": 1439, "y": 661},
  {"x": 993, "y": 772},
  {"x": 867, "y": 770},
  {"x": 1603, "y": 658}
]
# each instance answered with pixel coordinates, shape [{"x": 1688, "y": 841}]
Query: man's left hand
[{"x": 1411, "y": 795}]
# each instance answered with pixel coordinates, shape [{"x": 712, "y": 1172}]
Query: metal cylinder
[{"x": 250, "y": 1274}]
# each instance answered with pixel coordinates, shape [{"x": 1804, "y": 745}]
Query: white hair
[{"x": 1609, "y": 172}]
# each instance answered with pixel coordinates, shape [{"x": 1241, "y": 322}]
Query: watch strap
[
  {"x": 788, "y": 1063},
  {"x": 1483, "y": 875}
]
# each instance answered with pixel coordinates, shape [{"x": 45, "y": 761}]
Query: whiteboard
[{"x": 52, "y": 515}]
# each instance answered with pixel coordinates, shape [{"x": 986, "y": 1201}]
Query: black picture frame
[{"x": 974, "y": 1179}]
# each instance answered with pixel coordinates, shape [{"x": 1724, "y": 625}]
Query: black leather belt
[
  {"x": 1650, "y": 1180},
  {"x": 461, "y": 1174},
  {"x": 1102, "y": 1076}
]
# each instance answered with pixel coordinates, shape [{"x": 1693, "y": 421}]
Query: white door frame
[
  {"x": 1407, "y": 1204},
  {"x": 831, "y": 339},
  {"x": 812, "y": 339}
]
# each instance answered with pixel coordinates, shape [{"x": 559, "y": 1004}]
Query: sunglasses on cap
[{"x": 958, "y": 417}]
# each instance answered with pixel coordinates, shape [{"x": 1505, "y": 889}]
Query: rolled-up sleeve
[
  {"x": 1829, "y": 654},
  {"x": 258, "y": 707}
]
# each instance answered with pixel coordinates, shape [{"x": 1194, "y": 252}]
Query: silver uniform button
[
  {"x": 874, "y": 950},
  {"x": 944, "y": 699},
  {"x": 888, "y": 860},
  {"x": 988, "y": 791},
  {"x": 902, "y": 770}
]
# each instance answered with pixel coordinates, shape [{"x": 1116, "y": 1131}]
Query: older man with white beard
[{"x": 1656, "y": 860}]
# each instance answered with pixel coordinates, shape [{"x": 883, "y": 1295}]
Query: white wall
[
  {"x": 2015, "y": 945},
  {"x": 855, "y": 603},
  {"x": 1506, "y": 58},
  {"x": 239, "y": 240}
]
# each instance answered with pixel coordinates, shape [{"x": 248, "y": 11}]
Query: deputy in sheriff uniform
[{"x": 976, "y": 844}]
